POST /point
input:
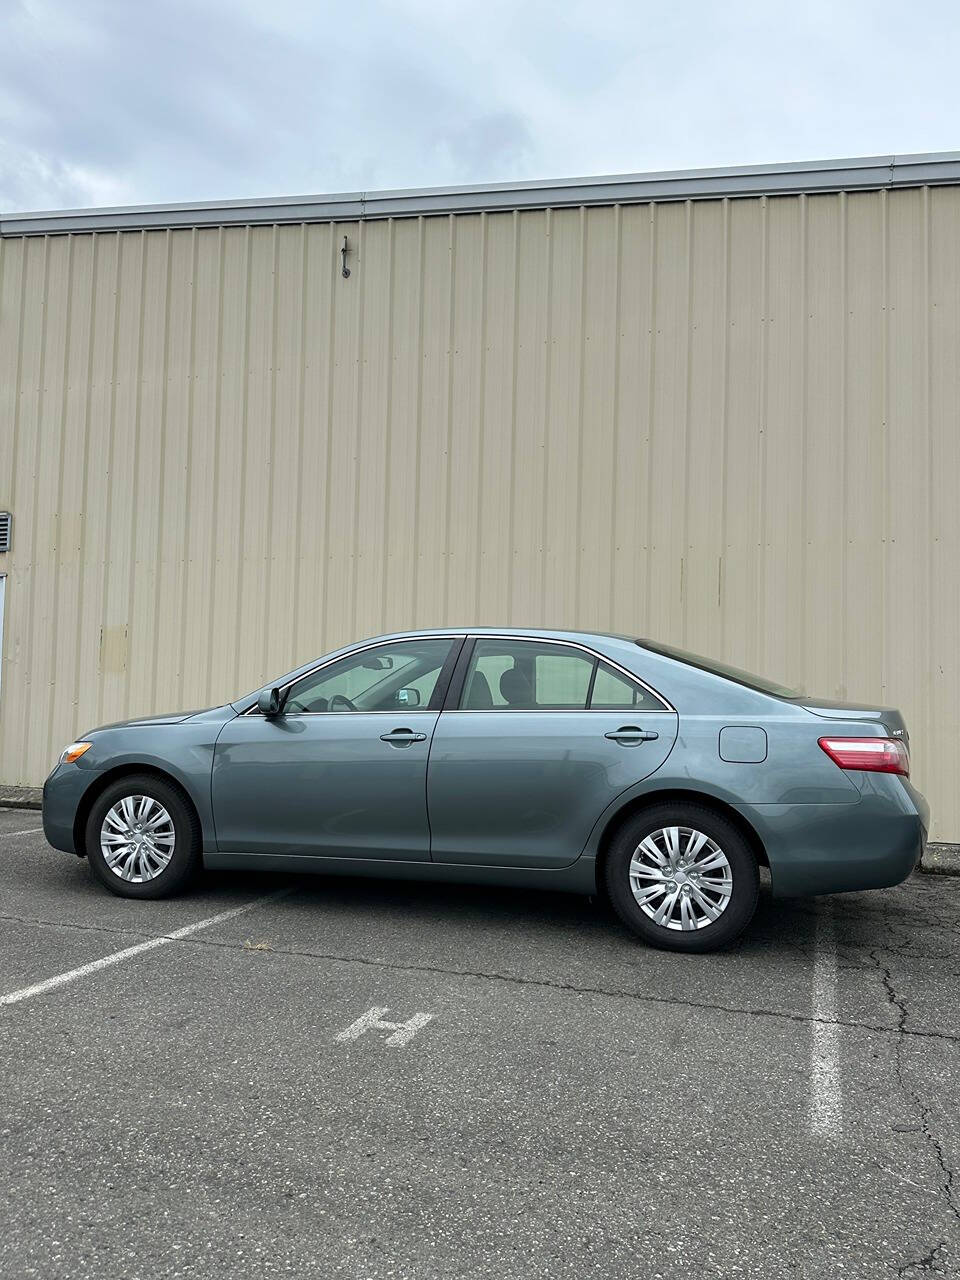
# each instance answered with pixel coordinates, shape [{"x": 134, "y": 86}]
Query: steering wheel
[{"x": 339, "y": 697}]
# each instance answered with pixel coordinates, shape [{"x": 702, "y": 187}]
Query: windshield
[{"x": 722, "y": 669}]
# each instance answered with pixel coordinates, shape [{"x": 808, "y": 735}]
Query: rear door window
[{"x": 526, "y": 675}]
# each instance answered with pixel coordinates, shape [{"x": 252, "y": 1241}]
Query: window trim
[
  {"x": 457, "y": 684},
  {"x": 436, "y": 701}
]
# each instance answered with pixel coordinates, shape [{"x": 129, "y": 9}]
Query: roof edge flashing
[{"x": 795, "y": 178}]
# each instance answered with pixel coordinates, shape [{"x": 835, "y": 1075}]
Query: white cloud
[{"x": 199, "y": 99}]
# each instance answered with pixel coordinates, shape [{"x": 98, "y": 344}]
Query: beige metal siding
[{"x": 729, "y": 424}]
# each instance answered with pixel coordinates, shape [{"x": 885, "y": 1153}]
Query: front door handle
[
  {"x": 402, "y": 737},
  {"x": 631, "y": 735}
]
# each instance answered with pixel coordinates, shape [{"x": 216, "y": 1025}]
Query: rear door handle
[
  {"x": 631, "y": 735},
  {"x": 402, "y": 737}
]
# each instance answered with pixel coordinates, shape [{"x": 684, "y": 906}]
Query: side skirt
[{"x": 579, "y": 877}]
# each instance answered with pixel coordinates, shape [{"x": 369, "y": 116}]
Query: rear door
[
  {"x": 544, "y": 735},
  {"x": 342, "y": 772}
]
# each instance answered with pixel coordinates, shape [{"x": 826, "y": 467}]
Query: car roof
[{"x": 566, "y": 632}]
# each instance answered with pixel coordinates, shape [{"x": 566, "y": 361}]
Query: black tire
[
  {"x": 185, "y": 860},
  {"x": 742, "y": 903}
]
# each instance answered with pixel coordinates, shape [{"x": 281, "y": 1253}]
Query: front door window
[{"x": 391, "y": 677}]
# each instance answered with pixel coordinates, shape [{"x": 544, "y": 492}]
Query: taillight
[{"x": 876, "y": 755}]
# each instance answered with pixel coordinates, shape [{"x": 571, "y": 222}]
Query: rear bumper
[{"x": 841, "y": 848}]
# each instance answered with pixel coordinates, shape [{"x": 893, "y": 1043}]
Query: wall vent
[{"x": 6, "y": 527}]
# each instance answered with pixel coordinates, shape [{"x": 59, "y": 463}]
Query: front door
[
  {"x": 341, "y": 773},
  {"x": 545, "y": 736}
]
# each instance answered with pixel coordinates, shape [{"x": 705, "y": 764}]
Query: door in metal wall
[{"x": 3, "y": 584}]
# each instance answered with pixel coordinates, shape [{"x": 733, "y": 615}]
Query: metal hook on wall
[{"x": 344, "y": 249}]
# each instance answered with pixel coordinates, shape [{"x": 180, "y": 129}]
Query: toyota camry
[{"x": 549, "y": 759}]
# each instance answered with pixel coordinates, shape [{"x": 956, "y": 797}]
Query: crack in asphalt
[
  {"x": 899, "y": 1004},
  {"x": 578, "y": 989},
  {"x": 945, "y": 1169},
  {"x": 84, "y": 927},
  {"x": 926, "y": 1263},
  {"x": 797, "y": 949},
  {"x": 613, "y": 993}
]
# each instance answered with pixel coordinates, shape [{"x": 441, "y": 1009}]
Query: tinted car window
[
  {"x": 614, "y": 692},
  {"x": 524, "y": 675},
  {"x": 391, "y": 677}
]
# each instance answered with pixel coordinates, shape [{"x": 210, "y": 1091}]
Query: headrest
[
  {"x": 478, "y": 693},
  {"x": 515, "y": 688}
]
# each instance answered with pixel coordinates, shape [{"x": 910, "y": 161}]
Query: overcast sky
[{"x": 131, "y": 101}]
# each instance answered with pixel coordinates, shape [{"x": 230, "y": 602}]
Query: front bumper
[{"x": 62, "y": 793}]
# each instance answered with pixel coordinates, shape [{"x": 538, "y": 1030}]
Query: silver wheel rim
[
  {"x": 137, "y": 839},
  {"x": 680, "y": 878}
]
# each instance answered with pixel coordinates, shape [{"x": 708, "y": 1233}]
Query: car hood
[{"x": 168, "y": 717}]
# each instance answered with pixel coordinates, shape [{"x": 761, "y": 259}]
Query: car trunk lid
[{"x": 888, "y": 718}]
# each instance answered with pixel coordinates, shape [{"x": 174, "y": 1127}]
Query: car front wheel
[
  {"x": 682, "y": 878},
  {"x": 142, "y": 838}
]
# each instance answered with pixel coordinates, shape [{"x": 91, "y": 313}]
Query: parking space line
[
  {"x": 29, "y": 831},
  {"x": 826, "y": 1099},
  {"x": 61, "y": 979}
]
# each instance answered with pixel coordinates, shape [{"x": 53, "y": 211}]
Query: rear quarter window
[{"x": 615, "y": 692}]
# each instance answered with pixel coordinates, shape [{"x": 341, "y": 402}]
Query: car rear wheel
[
  {"x": 682, "y": 878},
  {"x": 142, "y": 838}
]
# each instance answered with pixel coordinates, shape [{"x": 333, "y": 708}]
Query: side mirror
[
  {"x": 408, "y": 697},
  {"x": 269, "y": 702}
]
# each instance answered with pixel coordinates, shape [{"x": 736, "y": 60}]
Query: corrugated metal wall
[{"x": 728, "y": 424}]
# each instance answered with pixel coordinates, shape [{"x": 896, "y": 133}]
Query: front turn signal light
[{"x": 74, "y": 752}]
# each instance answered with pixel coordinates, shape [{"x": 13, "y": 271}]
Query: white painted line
[
  {"x": 826, "y": 1098},
  {"x": 29, "y": 831},
  {"x": 403, "y": 1032},
  {"x": 61, "y": 979}
]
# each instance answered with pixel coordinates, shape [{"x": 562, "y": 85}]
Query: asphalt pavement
[{"x": 361, "y": 1079}]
